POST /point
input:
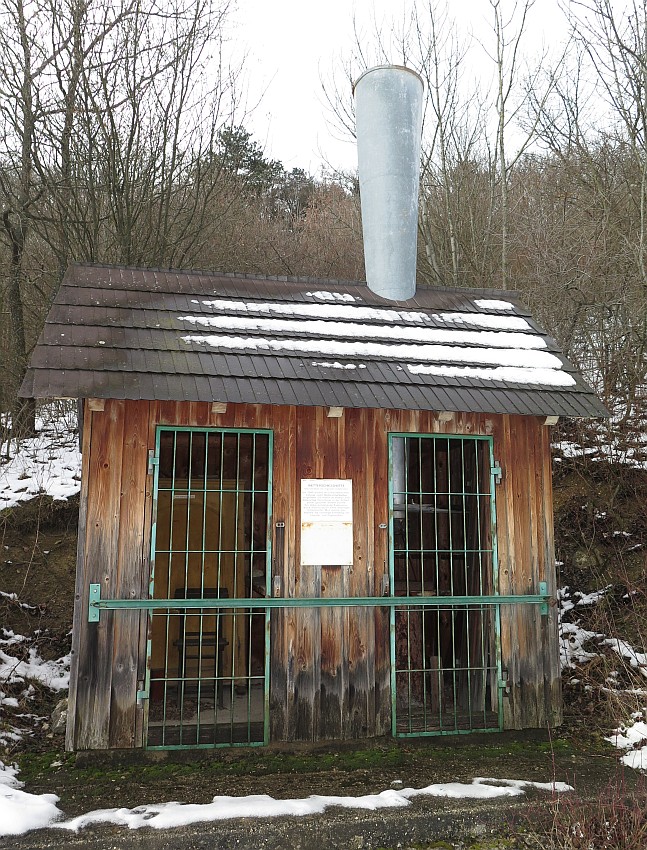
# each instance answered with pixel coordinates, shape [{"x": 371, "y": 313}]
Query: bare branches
[{"x": 109, "y": 115}]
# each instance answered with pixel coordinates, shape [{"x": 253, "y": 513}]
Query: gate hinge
[
  {"x": 504, "y": 683},
  {"x": 153, "y": 461},
  {"x": 386, "y": 585},
  {"x": 496, "y": 471},
  {"x": 142, "y": 691},
  {"x": 94, "y": 596}
]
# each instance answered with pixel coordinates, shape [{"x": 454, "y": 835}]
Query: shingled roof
[{"x": 130, "y": 333}]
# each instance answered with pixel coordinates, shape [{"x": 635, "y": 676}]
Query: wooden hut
[{"x": 307, "y": 513}]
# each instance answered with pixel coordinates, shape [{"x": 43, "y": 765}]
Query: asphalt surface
[{"x": 424, "y": 821}]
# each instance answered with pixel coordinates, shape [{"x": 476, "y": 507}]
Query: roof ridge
[
  {"x": 453, "y": 290},
  {"x": 213, "y": 273}
]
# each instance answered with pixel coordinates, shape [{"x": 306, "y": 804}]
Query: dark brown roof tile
[{"x": 116, "y": 332}]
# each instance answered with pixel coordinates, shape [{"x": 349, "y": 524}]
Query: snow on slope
[{"x": 48, "y": 463}]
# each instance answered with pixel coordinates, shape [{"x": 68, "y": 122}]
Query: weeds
[{"x": 615, "y": 820}]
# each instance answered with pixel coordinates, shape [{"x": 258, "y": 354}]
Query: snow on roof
[
  {"x": 359, "y": 314},
  {"x": 493, "y": 304},
  {"x": 315, "y": 311},
  {"x": 333, "y": 296},
  {"x": 391, "y": 353},
  {"x": 337, "y": 365},
  {"x": 484, "y": 320},
  {"x": 512, "y": 374},
  {"x": 398, "y": 333}
]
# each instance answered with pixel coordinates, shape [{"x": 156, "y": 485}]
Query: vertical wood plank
[
  {"x": 550, "y": 625},
  {"x": 506, "y": 533},
  {"x": 200, "y": 414},
  {"x": 95, "y": 664},
  {"x": 82, "y": 580},
  {"x": 307, "y": 639},
  {"x": 536, "y": 665},
  {"x": 292, "y": 555},
  {"x": 129, "y": 572},
  {"x": 282, "y": 512},
  {"x": 328, "y": 451},
  {"x": 523, "y": 615},
  {"x": 359, "y": 626},
  {"x": 141, "y": 716},
  {"x": 528, "y": 616},
  {"x": 378, "y": 426}
]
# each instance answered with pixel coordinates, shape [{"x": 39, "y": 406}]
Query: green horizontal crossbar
[{"x": 263, "y": 603}]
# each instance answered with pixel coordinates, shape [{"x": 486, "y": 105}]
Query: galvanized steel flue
[{"x": 389, "y": 126}]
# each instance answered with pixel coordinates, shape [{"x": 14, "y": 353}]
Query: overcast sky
[{"x": 293, "y": 44}]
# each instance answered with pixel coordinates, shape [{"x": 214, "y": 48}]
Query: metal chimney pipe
[{"x": 388, "y": 114}]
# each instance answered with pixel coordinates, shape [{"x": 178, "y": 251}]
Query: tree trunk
[{"x": 23, "y": 412}]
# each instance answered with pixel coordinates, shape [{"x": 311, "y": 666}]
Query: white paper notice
[{"x": 326, "y": 522}]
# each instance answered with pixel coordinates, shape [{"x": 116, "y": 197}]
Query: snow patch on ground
[
  {"x": 633, "y": 739},
  {"x": 608, "y": 443},
  {"x": 21, "y": 812},
  {"x": 630, "y": 738},
  {"x": 54, "y": 674},
  {"x": 48, "y": 463},
  {"x": 572, "y": 637}
]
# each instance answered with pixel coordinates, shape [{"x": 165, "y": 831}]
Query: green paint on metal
[
  {"x": 445, "y": 642},
  {"x": 317, "y": 602},
  {"x": 208, "y": 666},
  {"x": 93, "y": 597}
]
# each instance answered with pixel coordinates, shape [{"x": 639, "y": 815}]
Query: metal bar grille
[
  {"x": 445, "y": 660},
  {"x": 208, "y": 650},
  {"x": 97, "y": 604}
]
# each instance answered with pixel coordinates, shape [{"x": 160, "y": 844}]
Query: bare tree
[
  {"x": 109, "y": 121},
  {"x": 594, "y": 126}
]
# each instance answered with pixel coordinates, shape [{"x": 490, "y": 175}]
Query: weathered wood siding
[{"x": 330, "y": 668}]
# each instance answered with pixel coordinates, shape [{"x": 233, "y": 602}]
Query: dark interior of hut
[{"x": 445, "y": 661}]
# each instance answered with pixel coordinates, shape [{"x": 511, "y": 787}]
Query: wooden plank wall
[
  {"x": 330, "y": 668},
  {"x": 529, "y": 642}
]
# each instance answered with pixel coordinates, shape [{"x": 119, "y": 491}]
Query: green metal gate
[
  {"x": 445, "y": 652},
  {"x": 208, "y": 667}
]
